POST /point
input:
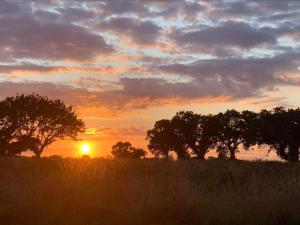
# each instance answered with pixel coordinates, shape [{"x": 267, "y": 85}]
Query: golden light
[{"x": 85, "y": 149}]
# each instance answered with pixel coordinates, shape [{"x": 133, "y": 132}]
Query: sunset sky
[{"x": 125, "y": 64}]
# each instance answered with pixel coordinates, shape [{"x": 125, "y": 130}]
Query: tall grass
[{"x": 94, "y": 192}]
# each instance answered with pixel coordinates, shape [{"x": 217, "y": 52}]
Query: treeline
[
  {"x": 32, "y": 122},
  {"x": 193, "y": 135}
]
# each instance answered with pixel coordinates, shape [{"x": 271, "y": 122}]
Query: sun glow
[{"x": 85, "y": 149}]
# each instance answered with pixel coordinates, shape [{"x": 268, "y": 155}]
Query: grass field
[{"x": 94, "y": 192}]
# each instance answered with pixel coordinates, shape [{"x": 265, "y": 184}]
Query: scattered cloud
[
  {"x": 142, "y": 32},
  {"x": 124, "y": 64},
  {"x": 226, "y": 35},
  {"x": 133, "y": 55}
]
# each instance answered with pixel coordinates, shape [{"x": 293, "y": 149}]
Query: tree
[
  {"x": 229, "y": 132},
  {"x": 171, "y": 135},
  {"x": 23, "y": 144},
  {"x": 124, "y": 150},
  {"x": 37, "y": 121},
  {"x": 207, "y": 135},
  {"x": 138, "y": 153},
  {"x": 161, "y": 138},
  {"x": 8, "y": 126},
  {"x": 195, "y": 132},
  {"x": 280, "y": 130},
  {"x": 251, "y": 128},
  {"x": 189, "y": 132},
  {"x": 184, "y": 130}
]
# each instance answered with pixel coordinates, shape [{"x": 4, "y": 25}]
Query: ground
[{"x": 110, "y": 192}]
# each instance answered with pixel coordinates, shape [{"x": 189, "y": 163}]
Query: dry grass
[{"x": 94, "y": 192}]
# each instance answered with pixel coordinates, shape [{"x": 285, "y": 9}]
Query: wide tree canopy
[
  {"x": 32, "y": 122},
  {"x": 194, "y": 132},
  {"x": 192, "y": 135},
  {"x": 280, "y": 129},
  {"x": 186, "y": 134}
]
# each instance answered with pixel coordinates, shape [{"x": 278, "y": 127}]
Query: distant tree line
[
  {"x": 192, "y": 135},
  {"x": 32, "y": 122}
]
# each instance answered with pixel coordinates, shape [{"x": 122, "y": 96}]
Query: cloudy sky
[{"x": 124, "y": 64}]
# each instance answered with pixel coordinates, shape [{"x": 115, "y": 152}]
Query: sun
[{"x": 85, "y": 149}]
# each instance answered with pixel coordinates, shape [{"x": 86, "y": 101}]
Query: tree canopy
[
  {"x": 192, "y": 135},
  {"x": 32, "y": 122},
  {"x": 161, "y": 138},
  {"x": 124, "y": 150}
]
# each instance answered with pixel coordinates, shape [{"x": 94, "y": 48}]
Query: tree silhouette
[
  {"x": 208, "y": 132},
  {"x": 34, "y": 122},
  {"x": 124, "y": 150},
  {"x": 280, "y": 129},
  {"x": 8, "y": 126},
  {"x": 23, "y": 144},
  {"x": 185, "y": 128},
  {"x": 293, "y": 134},
  {"x": 229, "y": 135},
  {"x": 251, "y": 127},
  {"x": 138, "y": 153},
  {"x": 161, "y": 138},
  {"x": 185, "y": 133},
  {"x": 190, "y": 134},
  {"x": 194, "y": 131}
]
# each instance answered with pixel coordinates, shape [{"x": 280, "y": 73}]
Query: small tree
[
  {"x": 138, "y": 153},
  {"x": 35, "y": 119},
  {"x": 124, "y": 150}
]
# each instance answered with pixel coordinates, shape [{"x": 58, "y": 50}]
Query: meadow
[{"x": 135, "y": 192}]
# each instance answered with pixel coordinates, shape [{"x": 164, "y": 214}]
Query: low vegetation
[{"x": 58, "y": 191}]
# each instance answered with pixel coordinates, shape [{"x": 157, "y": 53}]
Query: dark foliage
[
  {"x": 193, "y": 135},
  {"x": 161, "y": 138},
  {"x": 33, "y": 122},
  {"x": 229, "y": 133},
  {"x": 280, "y": 129},
  {"x": 124, "y": 150}
]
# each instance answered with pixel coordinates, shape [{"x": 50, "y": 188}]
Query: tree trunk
[
  {"x": 181, "y": 153},
  {"x": 39, "y": 151},
  {"x": 232, "y": 153},
  {"x": 200, "y": 156},
  {"x": 166, "y": 154},
  {"x": 201, "y": 152},
  {"x": 38, "y": 154}
]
